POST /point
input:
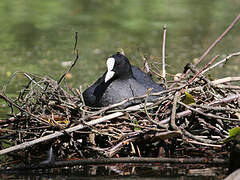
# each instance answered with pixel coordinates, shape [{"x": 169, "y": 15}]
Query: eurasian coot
[{"x": 119, "y": 82}]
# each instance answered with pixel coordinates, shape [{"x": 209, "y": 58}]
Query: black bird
[{"x": 119, "y": 82}]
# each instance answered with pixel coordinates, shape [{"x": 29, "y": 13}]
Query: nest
[{"x": 191, "y": 118}]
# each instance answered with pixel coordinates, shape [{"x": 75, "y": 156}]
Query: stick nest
[{"x": 189, "y": 119}]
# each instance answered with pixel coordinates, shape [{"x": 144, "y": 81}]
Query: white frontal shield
[{"x": 110, "y": 65}]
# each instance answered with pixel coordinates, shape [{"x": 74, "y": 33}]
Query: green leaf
[
  {"x": 234, "y": 131},
  {"x": 232, "y": 134},
  {"x": 136, "y": 128},
  {"x": 188, "y": 99}
]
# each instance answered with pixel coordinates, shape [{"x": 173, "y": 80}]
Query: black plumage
[{"x": 125, "y": 81}]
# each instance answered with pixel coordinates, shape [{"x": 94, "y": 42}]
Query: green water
[{"x": 37, "y": 36}]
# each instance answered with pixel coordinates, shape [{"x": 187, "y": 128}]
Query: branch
[
  {"x": 213, "y": 44},
  {"x": 225, "y": 80},
  {"x": 69, "y": 130},
  {"x": 74, "y": 62},
  {"x": 174, "y": 109},
  {"x": 218, "y": 39},
  {"x": 163, "y": 53},
  {"x": 139, "y": 160},
  {"x": 39, "y": 119},
  {"x": 189, "y": 112},
  {"x": 222, "y": 61},
  {"x": 205, "y": 67}
]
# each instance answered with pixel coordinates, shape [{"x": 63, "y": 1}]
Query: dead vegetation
[{"x": 190, "y": 119}]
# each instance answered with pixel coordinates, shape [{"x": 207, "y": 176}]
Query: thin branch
[
  {"x": 115, "y": 149},
  {"x": 207, "y": 115},
  {"x": 213, "y": 45},
  {"x": 225, "y": 80},
  {"x": 149, "y": 117},
  {"x": 69, "y": 130},
  {"x": 74, "y": 62},
  {"x": 141, "y": 160},
  {"x": 5, "y": 98},
  {"x": 218, "y": 39},
  {"x": 194, "y": 70},
  {"x": 163, "y": 52},
  {"x": 189, "y": 135},
  {"x": 174, "y": 109},
  {"x": 189, "y": 112},
  {"x": 205, "y": 67},
  {"x": 220, "y": 62}
]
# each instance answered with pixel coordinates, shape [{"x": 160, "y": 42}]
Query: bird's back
[
  {"x": 120, "y": 90},
  {"x": 146, "y": 80}
]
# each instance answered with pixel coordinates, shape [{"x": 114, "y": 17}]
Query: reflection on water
[{"x": 147, "y": 172}]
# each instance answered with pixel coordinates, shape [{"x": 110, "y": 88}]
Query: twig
[
  {"x": 163, "y": 52},
  {"x": 225, "y": 100},
  {"x": 69, "y": 130},
  {"x": 189, "y": 135},
  {"x": 74, "y": 62},
  {"x": 194, "y": 70},
  {"x": 204, "y": 144},
  {"x": 141, "y": 160},
  {"x": 222, "y": 86},
  {"x": 189, "y": 112},
  {"x": 145, "y": 109},
  {"x": 174, "y": 109},
  {"x": 32, "y": 80},
  {"x": 207, "y": 115},
  {"x": 111, "y": 152},
  {"x": 220, "y": 62},
  {"x": 215, "y": 129},
  {"x": 216, "y": 108},
  {"x": 23, "y": 110},
  {"x": 166, "y": 135},
  {"x": 206, "y": 66},
  {"x": 212, "y": 45},
  {"x": 218, "y": 39},
  {"x": 76, "y": 41},
  {"x": 224, "y": 80}
]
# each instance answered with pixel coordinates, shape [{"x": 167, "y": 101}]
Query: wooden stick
[
  {"x": 224, "y": 80},
  {"x": 204, "y": 144},
  {"x": 163, "y": 52},
  {"x": 222, "y": 86},
  {"x": 140, "y": 160},
  {"x": 207, "y": 115},
  {"x": 213, "y": 44},
  {"x": 189, "y": 112},
  {"x": 39, "y": 119},
  {"x": 59, "y": 133},
  {"x": 73, "y": 63},
  {"x": 189, "y": 135},
  {"x": 69, "y": 130},
  {"x": 205, "y": 67},
  {"x": 174, "y": 109},
  {"x": 115, "y": 149},
  {"x": 218, "y": 39},
  {"x": 222, "y": 61}
]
